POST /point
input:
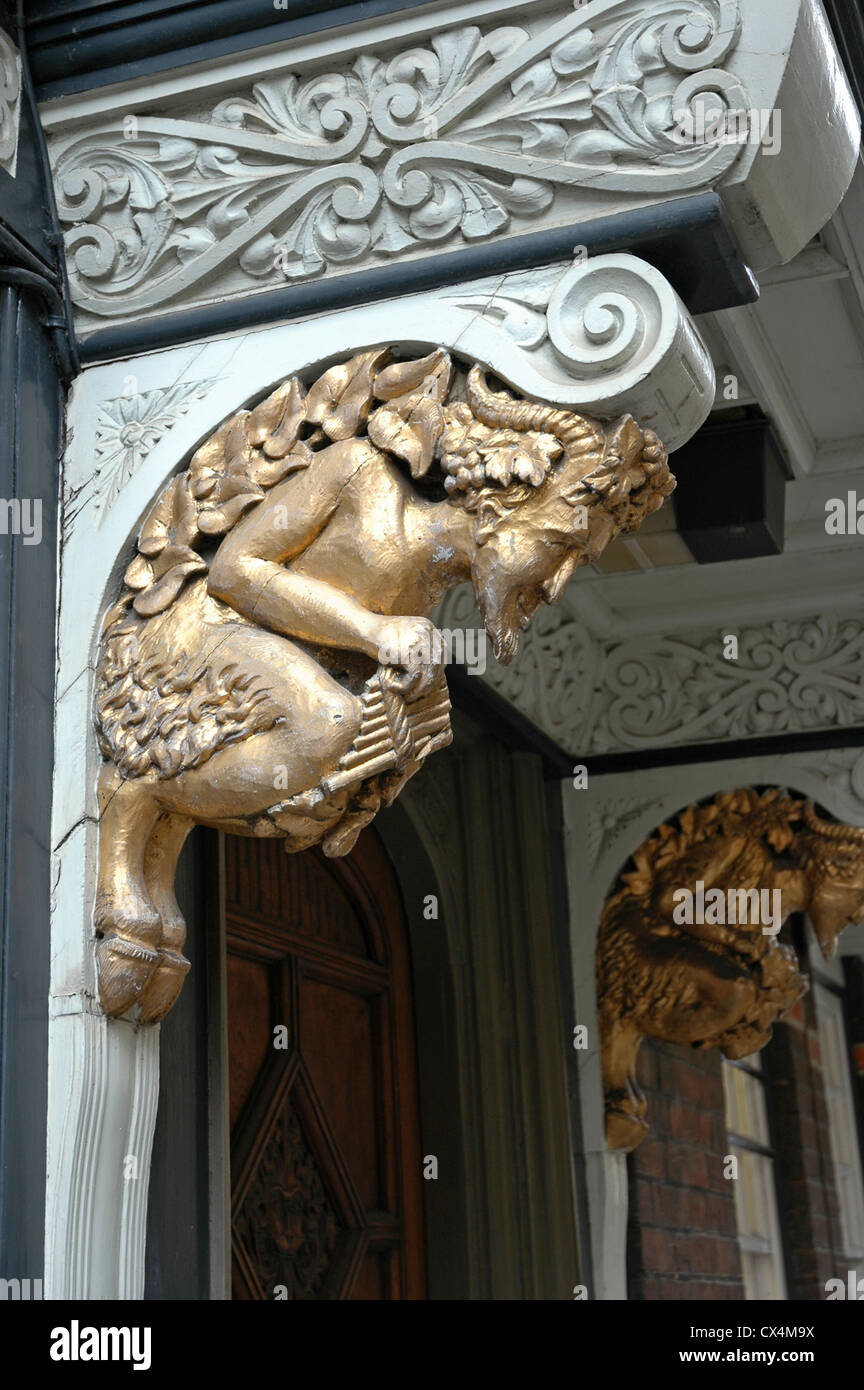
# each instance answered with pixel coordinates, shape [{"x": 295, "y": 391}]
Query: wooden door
[{"x": 325, "y": 1146}]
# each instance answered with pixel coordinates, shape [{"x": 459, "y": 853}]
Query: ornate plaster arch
[
  {"x": 616, "y": 339},
  {"x": 604, "y": 825}
]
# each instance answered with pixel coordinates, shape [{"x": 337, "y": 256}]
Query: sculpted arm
[{"x": 249, "y": 571}]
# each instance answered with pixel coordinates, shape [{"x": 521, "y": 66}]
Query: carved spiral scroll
[
  {"x": 613, "y": 318},
  {"x": 702, "y": 34}
]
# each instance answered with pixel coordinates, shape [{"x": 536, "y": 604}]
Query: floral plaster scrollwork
[
  {"x": 790, "y": 676},
  {"x": 10, "y": 92},
  {"x": 455, "y": 139},
  {"x": 593, "y": 696}
]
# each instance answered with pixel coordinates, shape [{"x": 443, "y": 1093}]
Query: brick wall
[
  {"x": 806, "y": 1191},
  {"x": 682, "y": 1238},
  {"x": 682, "y": 1235}
]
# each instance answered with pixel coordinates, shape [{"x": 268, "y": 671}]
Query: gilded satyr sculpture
[
  {"x": 719, "y": 976},
  {"x": 269, "y": 668}
]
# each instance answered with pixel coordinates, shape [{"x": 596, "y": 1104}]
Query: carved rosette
[
  {"x": 129, "y": 426},
  {"x": 688, "y": 948},
  {"x": 469, "y": 135}
]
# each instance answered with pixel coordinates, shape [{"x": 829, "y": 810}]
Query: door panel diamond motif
[
  {"x": 325, "y": 1151},
  {"x": 286, "y": 1222}
]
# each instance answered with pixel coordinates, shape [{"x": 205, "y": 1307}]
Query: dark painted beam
[
  {"x": 30, "y": 411},
  {"x": 30, "y": 236},
  {"x": 846, "y": 18},
  {"x": 688, "y": 239},
  {"x": 31, "y": 296},
  {"x": 76, "y": 45},
  {"x": 79, "y": 44}
]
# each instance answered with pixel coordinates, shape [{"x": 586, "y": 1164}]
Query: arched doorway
[{"x": 325, "y": 1144}]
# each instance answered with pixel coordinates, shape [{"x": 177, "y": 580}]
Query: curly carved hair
[{"x": 496, "y": 452}]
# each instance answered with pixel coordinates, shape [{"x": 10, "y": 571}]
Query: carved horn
[
  {"x": 850, "y": 834},
  {"x": 578, "y": 434}
]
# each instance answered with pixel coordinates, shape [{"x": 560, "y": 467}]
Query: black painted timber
[
  {"x": 31, "y": 294},
  {"x": 177, "y": 1264},
  {"x": 77, "y": 45},
  {"x": 846, "y": 18},
  {"x": 688, "y": 239}
]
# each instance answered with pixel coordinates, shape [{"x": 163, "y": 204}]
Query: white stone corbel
[{"x": 619, "y": 329}]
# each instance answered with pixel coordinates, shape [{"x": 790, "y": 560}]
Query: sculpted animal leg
[
  {"x": 719, "y": 993},
  {"x": 160, "y": 866},
  {"x": 237, "y": 785},
  {"x": 126, "y": 918},
  {"x": 625, "y": 1103},
  {"x": 242, "y": 780}
]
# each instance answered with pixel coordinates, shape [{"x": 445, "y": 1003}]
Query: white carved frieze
[
  {"x": 595, "y": 696},
  {"x": 450, "y": 141},
  {"x": 10, "y": 102},
  {"x": 408, "y": 147}
]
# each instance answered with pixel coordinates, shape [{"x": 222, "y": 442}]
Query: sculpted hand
[{"x": 415, "y": 646}]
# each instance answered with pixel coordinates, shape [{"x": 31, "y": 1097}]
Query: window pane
[
  {"x": 755, "y": 1194},
  {"x": 841, "y": 1119}
]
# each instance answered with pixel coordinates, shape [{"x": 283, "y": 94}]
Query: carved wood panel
[{"x": 326, "y": 1197}]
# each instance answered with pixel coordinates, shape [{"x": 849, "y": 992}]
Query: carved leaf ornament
[
  {"x": 10, "y": 92},
  {"x": 388, "y": 156}
]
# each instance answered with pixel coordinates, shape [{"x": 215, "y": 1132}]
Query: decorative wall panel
[
  {"x": 424, "y": 134},
  {"x": 612, "y": 696}
]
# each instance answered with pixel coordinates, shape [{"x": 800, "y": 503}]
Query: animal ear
[
  {"x": 556, "y": 588},
  {"x": 488, "y": 513}
]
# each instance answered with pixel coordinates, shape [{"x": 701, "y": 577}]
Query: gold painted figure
[
  {"x": 270, "y": 668},
  {"x": 716, "y": 983}
]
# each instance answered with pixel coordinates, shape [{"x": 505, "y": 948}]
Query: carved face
[
  {"x": 835, "y": 904},
  {"x": 526, "y": 559}
]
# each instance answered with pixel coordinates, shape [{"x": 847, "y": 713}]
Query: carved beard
[{"x": 502, "y": 621}]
